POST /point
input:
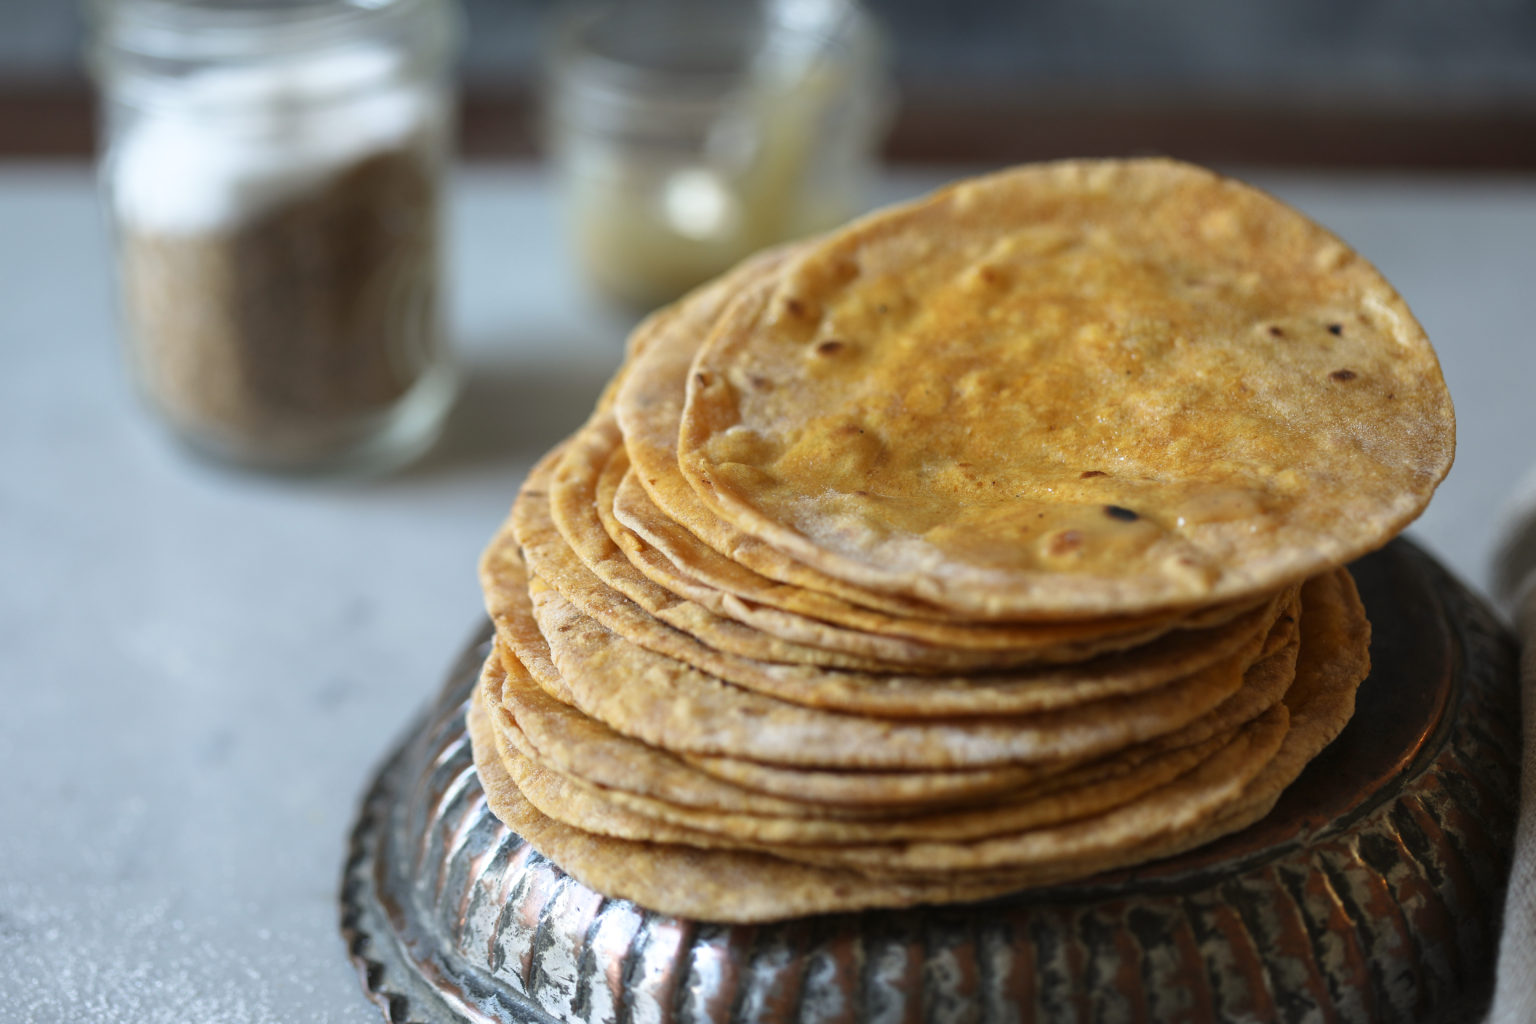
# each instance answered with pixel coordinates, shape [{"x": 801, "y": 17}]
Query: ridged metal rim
[{"x": 1387, "y": 911}]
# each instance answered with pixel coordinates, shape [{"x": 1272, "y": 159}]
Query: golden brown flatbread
[
  {"x": 649, "y": 406},
  {"x": 894, "y": 694},
  {"x": 641, "y": 606},
  {"x": 570, "y": 797},
  {"x": 703, "y": 575},
  {"x": 746, "y": 886},
  {"x": 561, "y": 739},
  {"x": 581, "y": 487},
  {"x": 990, "y": 542},
  {"x": 670, "y": 704},
  {"x": 1073, "y": 389},
  {"x": 707, "y": 885}
]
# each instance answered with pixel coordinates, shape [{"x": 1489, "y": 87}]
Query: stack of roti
[{"x": 992, "y": 541}]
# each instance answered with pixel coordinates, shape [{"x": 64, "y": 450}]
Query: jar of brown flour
[{"x": 274, "y": 174}]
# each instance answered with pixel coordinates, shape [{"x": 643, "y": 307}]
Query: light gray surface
[{"x": 198, "y": 669}]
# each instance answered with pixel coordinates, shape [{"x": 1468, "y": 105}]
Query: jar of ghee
[{"x": 687, "y": 134}]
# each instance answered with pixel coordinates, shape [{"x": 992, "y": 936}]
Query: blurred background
[{"x": 1295, "y": 83}]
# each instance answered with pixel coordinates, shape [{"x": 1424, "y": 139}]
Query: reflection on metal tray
[{"x": 1371, "y": 892}]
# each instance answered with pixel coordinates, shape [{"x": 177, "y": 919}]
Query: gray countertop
[{"x": 199, "y": 668}]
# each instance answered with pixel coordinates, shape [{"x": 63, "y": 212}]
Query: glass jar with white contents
[
  {"x": 687, "y": 134},
  {"x": 274, "y": 171}
]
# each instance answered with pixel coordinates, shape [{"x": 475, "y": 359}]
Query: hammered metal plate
[{"x": 1373, "y": 891}]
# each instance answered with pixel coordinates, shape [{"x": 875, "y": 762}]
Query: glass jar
[
  {"x": 687, "y": 134},
  {"x": 274, "y": 171}
]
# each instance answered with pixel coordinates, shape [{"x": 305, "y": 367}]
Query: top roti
[{"x": 1072, "y": 389}]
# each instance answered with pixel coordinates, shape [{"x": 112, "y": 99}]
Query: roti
[
  {"x": 709, "y": 885},
  {"x": 649, "y": 407},
  {"x": 1069, "y": 796},
  {"x": 749, "y": 886},
  {"x": 673, "y": 558},
  {"x": 989, "y": 542},
  {"x": 562, "y": 740},
  {"x": 563, "y": 497},
  {"x": 1070, "y": 390},
  {"x": 645, "y": 606},
  {"x": 898, "y": 694},
  {"x": 670, "y": 704}
]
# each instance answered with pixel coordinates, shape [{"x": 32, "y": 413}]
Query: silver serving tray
[{"x": 1372, "y": 892}]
